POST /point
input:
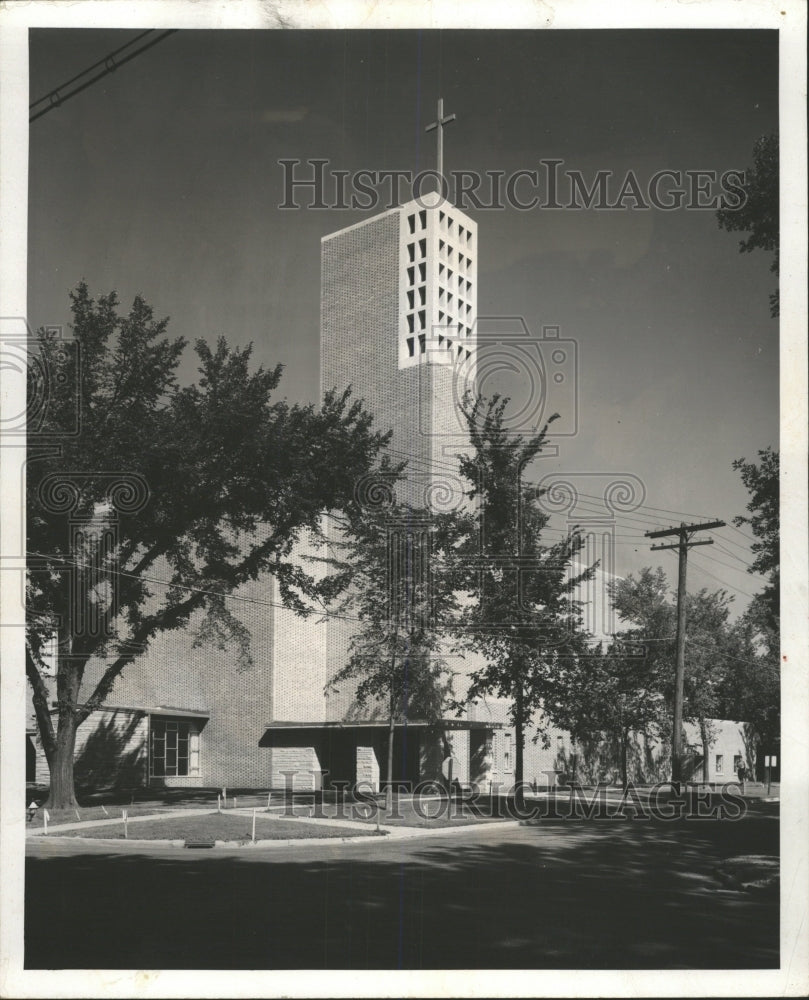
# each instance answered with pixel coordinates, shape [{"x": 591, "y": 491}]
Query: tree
[
  {"x": 615, "y": 693},
  {"x": 524, "y": 620},
  {"x": 400, "y": 586},
  {"x": 758, "y": 214},
  {"x": 762, "y": 482},
  {"x": 751, "y": 689},
  {"x": 167, "y": 500},
  {"x": 755, "y": 689},
  {"x": 645, "y": 604}
]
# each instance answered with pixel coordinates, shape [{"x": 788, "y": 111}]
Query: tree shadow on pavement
[{"x": 594, "y": 895}]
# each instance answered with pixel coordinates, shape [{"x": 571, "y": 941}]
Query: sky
[{"x": 163, "y": 179}]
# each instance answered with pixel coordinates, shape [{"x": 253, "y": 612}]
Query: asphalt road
[{"x": 587, "y": 895}]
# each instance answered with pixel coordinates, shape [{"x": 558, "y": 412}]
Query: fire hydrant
[{"x": 31, "y": 811}]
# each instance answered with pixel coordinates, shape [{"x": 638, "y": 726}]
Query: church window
[
  {"x": 411, "y": 222},
  {"x": 422, "y": 272},
  {"x": 422, "y": 295},
  {"x": 411, "y": 276},
  {"x": 422, "y": 342},
  {"x": 422, "y": 319},
  {"x": 422, "y": 248},
  {"x": 411, "y": 346},
  {"x": 423, "y": 220},
  {"x": 411, "y": 251},
  {"x": 411, "y": 298},
  {"x": 411, "y": 322},
  {"x": 174, "y": 748}
]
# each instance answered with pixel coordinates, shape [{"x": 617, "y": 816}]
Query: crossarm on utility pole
[
  {"x": 657, "y": 548},
  {"x": 685, "y": 527}
]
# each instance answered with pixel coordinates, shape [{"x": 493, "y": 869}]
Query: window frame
[{"x": 179, "y": 740}]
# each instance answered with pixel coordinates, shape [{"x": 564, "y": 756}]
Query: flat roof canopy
[{"x": 375, "y": 724}]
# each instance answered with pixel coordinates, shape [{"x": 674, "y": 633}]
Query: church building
[{"x": 398, "y": 315}]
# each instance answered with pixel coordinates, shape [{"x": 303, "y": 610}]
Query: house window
[
  {"x": 506, "y": 751},
  {"x": 720, "y": 763},
  {"x": 174, "y": 749},
  {"x": 737, "y": 762}
]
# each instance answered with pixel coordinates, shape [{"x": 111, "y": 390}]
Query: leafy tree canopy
[
  {"x": 758, "y": 216},
  {"x": 219, "y": 481}
]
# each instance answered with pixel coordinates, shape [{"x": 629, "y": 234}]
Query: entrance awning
[{"x": 287, "y": 728}]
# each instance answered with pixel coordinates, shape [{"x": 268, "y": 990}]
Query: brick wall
[
  {"x": 111, "y": 750},
  {"x": 173, "y": 672},
  {"x": 367, "y": 767}
]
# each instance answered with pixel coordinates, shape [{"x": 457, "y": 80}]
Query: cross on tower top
[{"x": 438, "y": 126}]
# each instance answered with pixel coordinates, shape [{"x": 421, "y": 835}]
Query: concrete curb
[{"x": 390, "y": 833}]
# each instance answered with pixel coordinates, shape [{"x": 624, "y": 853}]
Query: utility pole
[{"x": 684, "y": 543}]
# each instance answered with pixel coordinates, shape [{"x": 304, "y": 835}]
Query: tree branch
[{"x": 168, "y": 619}]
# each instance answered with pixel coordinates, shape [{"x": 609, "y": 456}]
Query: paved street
[{"x": 603, "y": 894}]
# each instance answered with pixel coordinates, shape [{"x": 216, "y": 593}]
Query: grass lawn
[
  {"x": 432, "y": 814},
  {"x": 216, "y": 826},
  {"x": 57, "y": 816}
]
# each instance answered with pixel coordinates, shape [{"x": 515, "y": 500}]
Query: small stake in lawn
[
  {"x": 269, "y": 798},
  {"x": 254, "y": 826},
  {"x": 768, "y": 763},
  {"x": 235, "y": 802},
  {"x": 76, "y": 811},
  {"x": 125, "y": 816},
  {"x": 104, "y": 811},
  {"x": 45, "y": 817},
  {"x": 219, "y": 803},
  {"x": 225, "y": 798}
]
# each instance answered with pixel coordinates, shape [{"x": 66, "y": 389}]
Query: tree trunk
[
  {"x": 62, "y": 793},
  {"x": 624, "y": 753},
  {"x": 519, "y": 738},
  {"x": 389, "y": 789}
]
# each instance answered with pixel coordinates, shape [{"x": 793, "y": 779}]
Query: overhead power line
[{"x": 75, "y": 85}]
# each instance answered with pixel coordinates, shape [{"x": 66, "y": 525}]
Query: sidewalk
[{"x": 397, "y": 832}]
